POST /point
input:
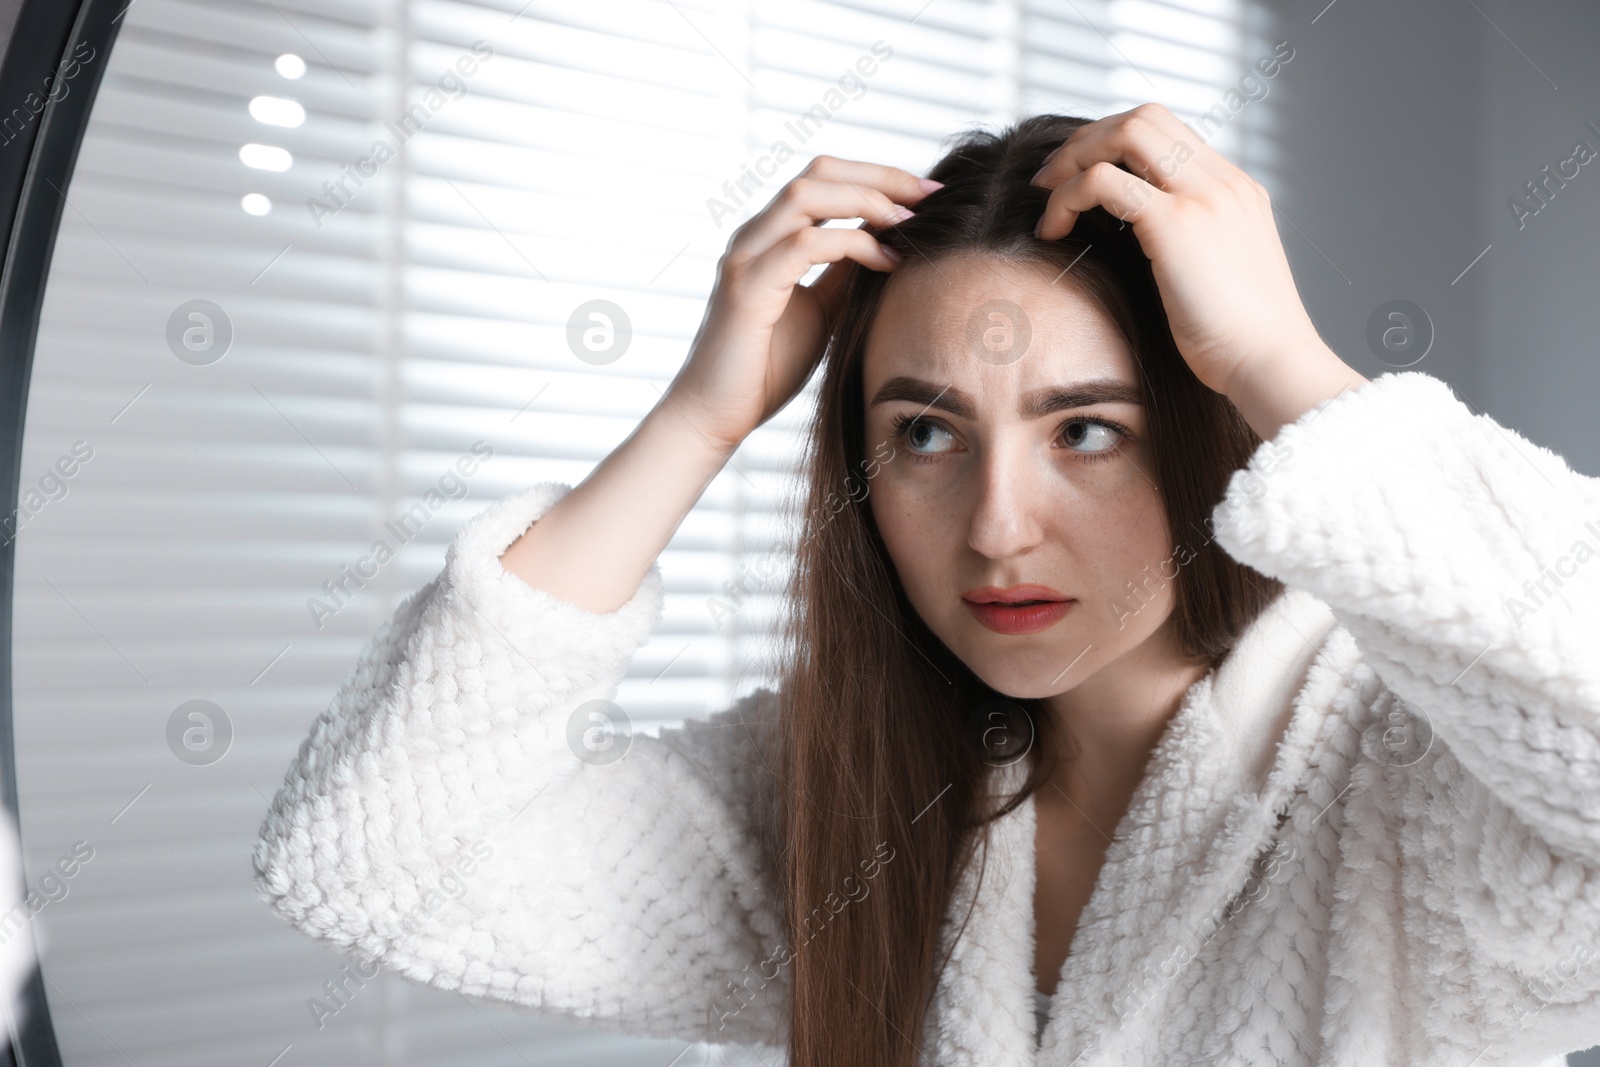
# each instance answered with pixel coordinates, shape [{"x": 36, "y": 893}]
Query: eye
[
  {"x": 1099, "y": 438},
  {"x": 915, "y": 431}
]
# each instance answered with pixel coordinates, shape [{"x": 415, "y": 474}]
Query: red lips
[{"x": 1017, "y": 609}]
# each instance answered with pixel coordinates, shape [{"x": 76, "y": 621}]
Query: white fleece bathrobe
[{"x": 1311, "y": 872}]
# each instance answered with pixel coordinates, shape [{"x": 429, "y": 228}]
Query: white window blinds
[{"x": 322, "y": 285}]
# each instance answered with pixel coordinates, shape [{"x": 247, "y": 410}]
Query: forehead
[{"x": 963, "y": 319}]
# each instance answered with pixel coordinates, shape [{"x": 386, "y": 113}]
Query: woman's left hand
[{"x": 1214, "y": 249}]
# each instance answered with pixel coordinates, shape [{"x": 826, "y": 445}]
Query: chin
[
  {"x": 1026, "y": 681},
  {"x": 1031, "y": 688}
]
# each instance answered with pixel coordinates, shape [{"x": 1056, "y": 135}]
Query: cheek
[
  {"x": 1125, "y": 534},
  {"x": 894, "y": 511},
  {"x": 920, "y": 538}
]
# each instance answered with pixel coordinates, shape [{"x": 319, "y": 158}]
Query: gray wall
[
  {"x": 1540, "y": 368},
  {"x": 1405, "y": 129}
]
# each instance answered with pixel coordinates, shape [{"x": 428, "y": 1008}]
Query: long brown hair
[{"x": 887, "y": 739}]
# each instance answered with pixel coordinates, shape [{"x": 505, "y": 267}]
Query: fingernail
[
  {"x": 929, "y": 185},
  {"x": 893, "y": 253},
  {"x": 900, "y": 214}
]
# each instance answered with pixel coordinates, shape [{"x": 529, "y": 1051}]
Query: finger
[
  {"x": 829, "y": 288},
  {"x": 782, "y": 266},
  {"x": 896, "y": 185},
  {"x": 901, "y": 186},
  {"x": 1151, "y": 141},
  {"x": 806, "y": 201},
  {"x": 1106, "y": 185}
]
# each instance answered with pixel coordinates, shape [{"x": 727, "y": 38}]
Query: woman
[{"x": 1148, "y": 666}]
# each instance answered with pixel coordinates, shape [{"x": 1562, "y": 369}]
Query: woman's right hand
[
  {"x": 761, "y": 337},
  {"x": 763, "y": 332}
]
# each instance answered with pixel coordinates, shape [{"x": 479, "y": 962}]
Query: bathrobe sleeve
[
  {"x": 468, "y": 813},
  {"x": 1465, "y": 562}
]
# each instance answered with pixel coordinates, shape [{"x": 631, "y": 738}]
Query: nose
[{"x": 1009, "y": 491}]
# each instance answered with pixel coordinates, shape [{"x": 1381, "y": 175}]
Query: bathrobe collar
[{"x": 1219, "y": 776}]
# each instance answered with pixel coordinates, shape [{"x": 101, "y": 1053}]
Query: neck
[{"x": 1109, "y": 725}]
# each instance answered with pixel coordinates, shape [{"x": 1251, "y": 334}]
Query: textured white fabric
[{"x": 1284, "y": 889}]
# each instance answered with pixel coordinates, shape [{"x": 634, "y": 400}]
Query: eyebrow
[{"x": 1034, "y": 405}]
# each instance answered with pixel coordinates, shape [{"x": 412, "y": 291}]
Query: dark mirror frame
[{"x": 35, "y": 169}]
